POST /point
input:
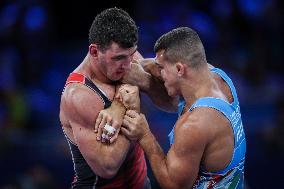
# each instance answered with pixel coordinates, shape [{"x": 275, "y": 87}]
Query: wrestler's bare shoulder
[
  {"x": 75, "y": 91},
  {"x": 202, "y": 118},
  {"x": 78, "y": 101}
]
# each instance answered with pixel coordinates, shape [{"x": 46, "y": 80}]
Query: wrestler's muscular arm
[
  {"x": 127, "y": 97},
  {"x": 82, "y": 106},
  {"x": 147, "y": 76},
  {"x": 179, "y": 168}
]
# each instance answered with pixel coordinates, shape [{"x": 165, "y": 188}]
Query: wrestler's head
[
  {"x": 176, "y": 51},
  {"x": 113, "y": 40}
]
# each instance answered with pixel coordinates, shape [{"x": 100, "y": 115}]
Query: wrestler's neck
[
  {"x": 91, "y": 70},
  {"x": 198, "y": 84}
]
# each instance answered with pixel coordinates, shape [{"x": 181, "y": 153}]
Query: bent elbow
[
  {"x": 106, "y": 170},
  {"x": 108, "y": 173}
]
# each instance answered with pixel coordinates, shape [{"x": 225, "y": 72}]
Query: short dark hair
[
  {"x": 113, "y": 25},
  {"x": 182, "y": 44}
]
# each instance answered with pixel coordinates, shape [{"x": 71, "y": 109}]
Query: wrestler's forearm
[
  {"x": 118, "y": 109},
  {"x": 154, "y": 87},
  {"x": 153, "y": 84},
  {"x": 111, "y": 156},
  {"x": 113, "y": 115},
  {"x": 116, "y": 152},
  {"x": 147, "y": 76},
  {"x": 158, "y": 161},
  {"x": 108, "y": 157},
  {"x": 156, "y": 90}
]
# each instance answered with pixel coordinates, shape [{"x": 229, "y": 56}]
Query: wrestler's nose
[{"x": 126, "y": 64}]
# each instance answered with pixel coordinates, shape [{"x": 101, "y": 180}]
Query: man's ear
[
  {"x": 93, "y": 50},
  {"x": 180, "y": 69}
]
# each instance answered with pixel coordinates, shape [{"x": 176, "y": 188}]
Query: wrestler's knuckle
[{"x": 135, "y": 88}]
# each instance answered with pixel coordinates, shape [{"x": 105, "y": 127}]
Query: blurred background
[{"x": 42, "y": 41}]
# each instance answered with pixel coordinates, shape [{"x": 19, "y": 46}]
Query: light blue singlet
[{"x": 233, "y": 175}]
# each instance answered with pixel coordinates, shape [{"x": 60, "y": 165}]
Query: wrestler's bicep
[
  {"x": 185, "y": 155},
  {"x": 82, "y": 105},
  {"x": 83, "y": 108}
]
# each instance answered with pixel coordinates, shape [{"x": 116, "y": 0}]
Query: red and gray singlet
[{"x": 132, "y": 173}]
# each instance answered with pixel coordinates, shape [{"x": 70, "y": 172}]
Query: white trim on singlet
[
  {"x": 68, "y": 138},
  {"x": 96, "y": 181},
  {"x": 96, "y": 93},
  {"x": 76, "y": 173}
]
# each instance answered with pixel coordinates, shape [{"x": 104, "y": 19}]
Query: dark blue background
[{"x": 42, "y": 41}]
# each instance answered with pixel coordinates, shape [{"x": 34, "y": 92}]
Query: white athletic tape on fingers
[{"x": 110, "y": 129}]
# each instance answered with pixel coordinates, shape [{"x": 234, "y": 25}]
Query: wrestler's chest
[{"x": 107, "y": 90}]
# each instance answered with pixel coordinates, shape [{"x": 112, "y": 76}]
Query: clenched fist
[{"x": 129, "y": 95}]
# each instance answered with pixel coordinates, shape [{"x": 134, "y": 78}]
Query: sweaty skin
[
  {"x": 79, "y": 110},
  {"x": 145, "y": 74},
  {"x": 127, "y": 97},
  {"x": 80, "y": 106},
  {"x": 200, "y": 135},
  {"x": 209, "y": 126}
]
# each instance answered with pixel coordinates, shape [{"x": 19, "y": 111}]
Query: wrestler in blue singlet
[{"x": 233, "y": 175}]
